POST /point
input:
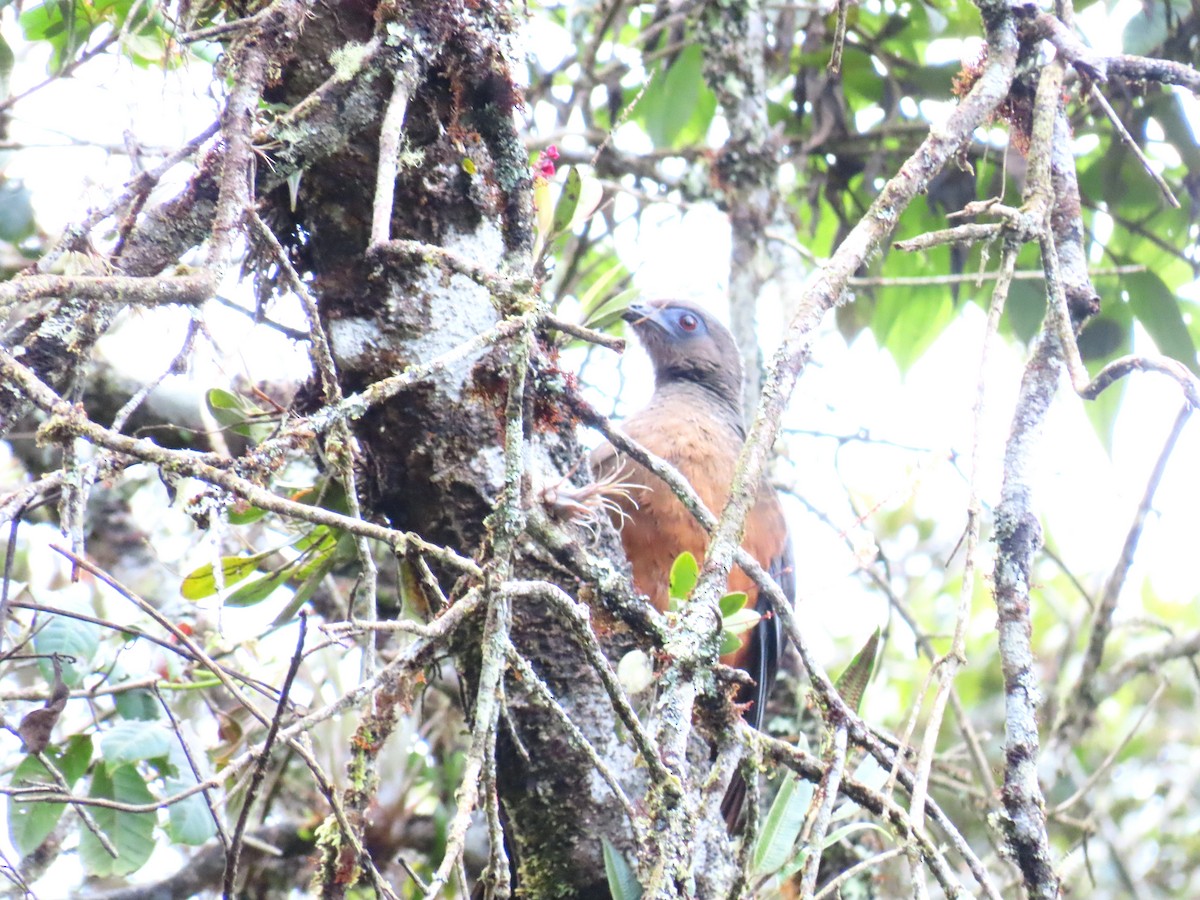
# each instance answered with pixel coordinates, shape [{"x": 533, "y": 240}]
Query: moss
[{"x": 347, "y": 60}]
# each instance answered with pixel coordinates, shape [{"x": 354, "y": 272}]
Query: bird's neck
[{"x": 714, "y": 399}]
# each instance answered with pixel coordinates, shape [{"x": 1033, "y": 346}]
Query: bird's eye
[{"x": 688, "y": 322}]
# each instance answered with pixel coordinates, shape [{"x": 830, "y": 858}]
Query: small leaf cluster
[{"x": 736, "y": 619}]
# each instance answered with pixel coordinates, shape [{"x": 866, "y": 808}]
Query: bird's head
[{"x": 687, "y": 344}]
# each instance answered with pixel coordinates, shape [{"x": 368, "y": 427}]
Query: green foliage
[
  {"x": 736, "y": 620},
  {"x": 238, "y": 414},
  {"x": 685, "y": 572},
  {"x": 75, "y": 642},
  {"x": 318, "y": 551},
  {"x": 16, "y": 212},
  {"x": 30, "y": 822},
  {"x": 852, "y": 683},
  {"x": 68, "y": 26},
  {"x": 677, "y": 106},
  {"x": 622, "y": 880},
  {"x": 131, "y": 834},
  {"x": 781, "y": 827},
  {"x": 189, "y": 821},
  {"x": 133, "y": 741}
]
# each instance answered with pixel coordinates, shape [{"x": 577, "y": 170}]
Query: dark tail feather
[
  {"x": 766, "y": 663},
  {"x": 735, "y": 799}
]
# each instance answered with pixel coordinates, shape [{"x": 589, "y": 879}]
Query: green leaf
[
  {"x": 906, "y": 322},
  {"x": 732, "y": 602},
  {"x": 260, "y": 589},
  {"x": 202, "y": 582},
  {"x": 1157, "y": 308},
  {"x": 30, "y": 823},
  {"x": 128, "y": 742},
  {"x": 609, "y": 310},
  {"x": 622, "y": 882},
  {"x": 782, "y": 826},
  {"x": 684, "y": 575},
  {"x": 678, "y": 106},
  {"x": 70, "y": 638},
  {"x": 730, "y": 642},
  {"x": 246, "y": 515},
  {"x": 302, "y": 594},
  {"x": 231, "y": 411},
  {"x": 140, "y": 705},
  {"x": 741, "y": 621},
  {"x": 189, "y": 821},
  {"x": 568, "y": 200},
  {"x": 131, "y": 834},
  {"x": 62, "y": 24},
  {"x": 846, "y": 830},
  {"x": 853, "y": 682},
  {"x": 220, "y": 399},
  {"x": 6, "y": 65},
  {"x": 596, "y": 297},
  {"x": 16, "y": 212}
]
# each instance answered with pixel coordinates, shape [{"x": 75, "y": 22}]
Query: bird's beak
[{"x": 637, "y": 314}]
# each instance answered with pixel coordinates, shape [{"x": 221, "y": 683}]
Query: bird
[{"x": 696, "y": 422}]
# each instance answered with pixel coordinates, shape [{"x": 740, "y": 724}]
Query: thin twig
[
  {"x": 260, "y": 769},
  {"x": 1132, "y": 145},
  {"x": 821, "y": 810},
  {"x": 1077, "y": 712},
  {"x": 191, "y": 760},
  {"x": 404, "y": 80}
]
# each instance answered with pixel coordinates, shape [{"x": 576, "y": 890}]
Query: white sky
[{"x": 1087, "y": 499}]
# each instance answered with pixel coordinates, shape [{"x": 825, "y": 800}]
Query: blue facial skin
[
  {"x": 678, "y": 324},
  {"x": 681, "y": 324}
]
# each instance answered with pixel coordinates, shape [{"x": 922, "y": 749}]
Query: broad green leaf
[
  {"x": 1157, "y": 308},
  {"x": 591, "y": 193},
  {"x": 845, "y": 831},
  {"x": 303, "y": 592},
  {"x": 1147, "y": 30},
  {"x": 231, "y": 411},
  {"x": 609, "y": 311},
  {"x": 63, "y": 24},
  {"x": 128, "y": 742},
  {"x": 782, "y": 825},
  {"x": 732, "y": 602},
  {"x": 729, "y": 643},
  {"x": 906, "y": 322},
  {"x": 622, "y": 881},
  {"x": 741, "y": 621},
  {"x": 543, "y": 206},
  {"x": 678, "y": 106},
  {"x": 684, "y": 574},
  {"x": 320, "y": 537},
  {"x": 260, "y": 589},
  {"x": 17, "y": 221},
  {"x": 131, "y": 834},
  {"x": 189, "y": 821},
  {"x": 70, "y": 638},
  {"x": 568, "y": 200},
  {"x": 30, "y": 823},
  {"x": 244, "y": 514},
  {"x": 202, "y": 582},
  {"x": 140, "y": 705},
  {"x": 853, "y": 682},
  {"x": 595, "y": 298}
]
